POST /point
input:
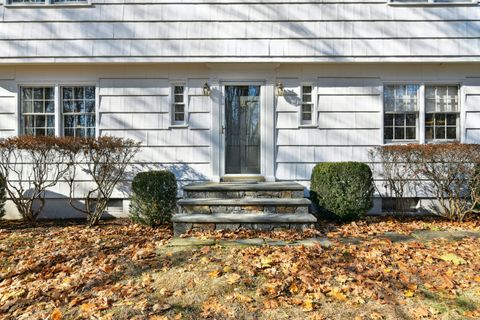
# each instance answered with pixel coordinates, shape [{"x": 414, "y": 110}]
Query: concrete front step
[
  {"x": 244, "y": 205},
  {"x": 244, "y": 190},
  {"x": 183, "y": 223}
]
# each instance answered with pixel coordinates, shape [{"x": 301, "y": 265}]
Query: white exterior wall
[
  {"x": 232, "y": 31},
  {"x": 133, "y": 101}
]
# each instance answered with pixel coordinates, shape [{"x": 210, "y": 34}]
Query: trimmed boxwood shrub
[
  {"x": 154, "y": 196},
  {"x": 342, "y": 190}
]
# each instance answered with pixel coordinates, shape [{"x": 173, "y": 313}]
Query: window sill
[
  {"x": 47, "y": 5},
  {"x": 307, "y": 126},
  {"x": 399, "y": 142},
  {"x": 178, "y": 126},
  {"x": 432, "y": 4},
  {"x": 437, "y": 141}
]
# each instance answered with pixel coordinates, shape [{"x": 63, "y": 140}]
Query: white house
[{"x": 232, "y": 88}]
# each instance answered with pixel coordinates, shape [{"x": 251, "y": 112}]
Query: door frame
[{"x": 223, "y": 113}]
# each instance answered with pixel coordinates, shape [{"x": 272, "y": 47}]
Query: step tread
[
  {"x": 244, "y": 218},
  {"x": 244, "y": 202},
  {"x": 236, "y": 186}
]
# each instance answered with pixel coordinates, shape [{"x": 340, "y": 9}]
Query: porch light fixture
[
  {"x": 279, "y": 89},
  {"x": 206, "y": 89}
]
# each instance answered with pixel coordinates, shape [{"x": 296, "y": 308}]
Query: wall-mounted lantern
[
  {"x": 206, "y": 89},
  {"x": 279, "y": 89}
]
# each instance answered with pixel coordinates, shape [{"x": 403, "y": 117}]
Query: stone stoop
[{"x": 254, "y": 205}]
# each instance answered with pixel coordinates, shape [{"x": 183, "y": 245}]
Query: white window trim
[
  {"x": 59, "y": 110},
  {"x": 58, "y": 107},
  {"x": 421, "y": 118},
  {"x": 171, "y": 102},
  {"x": 313, "y": 124}
]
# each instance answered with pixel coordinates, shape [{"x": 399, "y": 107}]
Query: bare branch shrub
[
  {"x": 451, "y": 170},
  {"x": 447, "y": 172},
  {"x": 395, "y": 166},
  {"x": 30, "y": 165},
  {"x": 104, "y": 160}
]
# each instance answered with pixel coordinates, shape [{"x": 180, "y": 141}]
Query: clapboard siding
[
  {"x": 8, "y": 108},
  {"x": 235, "y": 31}
]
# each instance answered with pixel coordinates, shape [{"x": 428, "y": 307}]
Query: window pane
[
  {"x": 307, "y": 89},
  {"x": 440, "y": 119},
  {"x": 429, "y": 133},
  {"x": 28, "y": 121},
  {"x": 388, "y": 119},
  {"x": 451, "y": 133},
  {"x": 399, "y": 120},
  {"x": 399, "y": 134},
  {"x": 79, "y": 106},
  {"x": 90, "y": 106},
  {"x": 451, "y": 119},
  {"x": 69, "y": 121},
  {"x": 179, "y": 117},
  {"x": 69, "y": 132},
  {"x": 50, "y": 132},
  {"x": 411, "y": 119},
  {"x": 51, "y": 121},
  {"x": 439, "y": 133},
  {"x": 306, "y": 116},
  {"x": 68, "y": 106},
  {"x": 429, "y": 119},
  {"x": 78, "y": 93},
  {"x": 178, "y": 98},
  {"x": 411, "y": 133},
  {"x": 27, "y": 93},
  {"x": 38, "y": 93},
  {"x": 27, "y": 106},
  {"x": 50, "y": 107},
  {"x": 67, "y": 93},
  {"x": 90, "y": 132},
  {"x": 38, "y": 106},
  {"x": 388, "y": 133},
  {"x": 178, "y": 90},
  {"x": 90, "y": 93},
  {"x": 40, "y": 121}
]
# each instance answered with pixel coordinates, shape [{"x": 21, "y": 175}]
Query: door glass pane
[{"x": 242, "y": 129}]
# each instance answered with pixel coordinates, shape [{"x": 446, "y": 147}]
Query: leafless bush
[
  {"x": 105, "y": 161},
  {"x": 395, "y": 166},
  {"x": 447, "y": 172},
  {"x": 31, "y": 165}
]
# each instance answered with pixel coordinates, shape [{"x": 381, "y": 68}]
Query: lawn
[{"x": 121, "y": 271}]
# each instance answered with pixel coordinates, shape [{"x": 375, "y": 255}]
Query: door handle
[{"x": 223, "y": 130}]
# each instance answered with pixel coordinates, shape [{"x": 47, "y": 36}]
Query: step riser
[
  {"x": 183, "y": 228},
  {"x": 243, "y": 209},
  {"x": 244, "y": 194}
]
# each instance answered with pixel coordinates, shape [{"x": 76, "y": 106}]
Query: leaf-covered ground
[{"x": 120, "y": 271}]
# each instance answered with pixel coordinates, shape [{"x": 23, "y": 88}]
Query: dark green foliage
[
  {"x": 3, "y": 195},
  {"x": 154, "y": 196},
  {"x": 342, "y": 190}
]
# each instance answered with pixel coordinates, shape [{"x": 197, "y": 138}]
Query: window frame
[
  {"x": 458, "y": 113},
  {"x": 313, "y": 103},
  {"x": 57, "y": 103},
  {"x": 185, "y": 122},
  {"x": 62, "y": 113},
  {"x": 418, "y": 131},
  {"x": 422, "y": 112}
]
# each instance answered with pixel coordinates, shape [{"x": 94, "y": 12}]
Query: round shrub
[
  {"x": 154, "y": 196},
  {"x": 342, "y": 190}
]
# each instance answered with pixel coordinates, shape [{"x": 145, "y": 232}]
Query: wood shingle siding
[{"x": 121, "y": 31}]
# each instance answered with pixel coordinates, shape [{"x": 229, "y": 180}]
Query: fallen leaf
[
  {"x": 56, "y": 315},
  {"x": 450, "y": 257}
]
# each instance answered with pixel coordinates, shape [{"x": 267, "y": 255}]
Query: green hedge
[
  {"x": 154, "y": 197},
  {"x": 342, "y": 190}
]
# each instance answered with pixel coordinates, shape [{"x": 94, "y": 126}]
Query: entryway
[{"x": 242, "y": 129}]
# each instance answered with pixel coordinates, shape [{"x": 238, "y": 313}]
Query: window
[
  {"x": 441, "y": 112},
  {"x": 306, "y": 116},
  {"x": 78, "y": 107},
  {"x": 38, "y": 110},
  {"x": 401, "y": 110},
  {"x": 76, "y": 110},
  {"x": 178, "y": 106}
]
